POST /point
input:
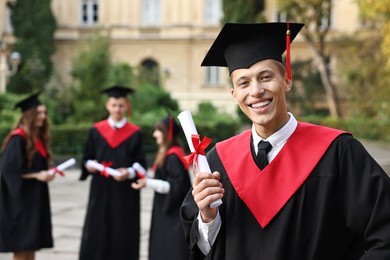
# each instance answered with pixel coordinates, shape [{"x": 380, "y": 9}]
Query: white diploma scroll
[
  {"x": 63, "y": 166},
  {"x": 101, "y": 167},
  {"x": 138, "y": 167},
  {"x": 201, "y": 165}
]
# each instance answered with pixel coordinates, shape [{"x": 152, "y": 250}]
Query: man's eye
[
  {"x": 243, "y": 83},
  {"x": 265, "y": 77}
]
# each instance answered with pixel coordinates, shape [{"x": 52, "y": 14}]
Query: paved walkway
[
  {"x": 68, "y": 202},
  {"x": 69, "y": 198}
]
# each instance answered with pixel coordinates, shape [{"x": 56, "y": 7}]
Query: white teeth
[{"x": 261, "y": 104}]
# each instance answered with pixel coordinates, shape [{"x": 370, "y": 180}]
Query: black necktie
[{"x": 264, "y": 148}]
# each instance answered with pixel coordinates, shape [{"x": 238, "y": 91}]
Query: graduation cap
[
  {"x": 29, "y": 102},
  {"x": 117, "y": 91},
  {"x": 242, "y": 45}
]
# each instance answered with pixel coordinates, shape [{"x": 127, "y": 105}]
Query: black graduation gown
[
  {"x": 112, "y": 223},
  {"x": 25, "y": 217},
  {"x": 339, "y": 212},
  {"x": 166, "y": 241}
]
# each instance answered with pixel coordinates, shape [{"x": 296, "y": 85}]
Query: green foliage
[
  {"x": 8, "y": 114},
  {"x": 91, "y": 73},
  {"x": 360, "y": 127},
  {"x": 150, "y": 98},
  {"x": 364, "y": 77},
  {"x": 307, "y": 95},
  {"x": 121, "y": 74},
  {"x": 235, "y": 11},
  {"x": 148, "y": 76},
  {"x": 35, "y": 45},
  {"x": 216, "y": 125}
]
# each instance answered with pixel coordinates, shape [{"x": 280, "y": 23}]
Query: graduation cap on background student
[
  {"x": 242, "y": 45},
  {"x": 29, "y": 102},
  {"x": 117, "y": 91}
]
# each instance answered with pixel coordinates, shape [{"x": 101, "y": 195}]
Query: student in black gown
[
  {"x": 171, "y": 183},
  {"x": 25, "y": 218},
  {"x": 112, "y": 223},
  {"x": 321, "y": 197}
]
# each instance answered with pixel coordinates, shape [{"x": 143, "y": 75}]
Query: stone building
[{"x": 171, "y": 35}]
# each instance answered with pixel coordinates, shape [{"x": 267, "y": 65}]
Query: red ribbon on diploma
[
  {"x": 199, "y": 148},
  {"x": 104, "y": 172},
  {"x": 55, "y": 169}
]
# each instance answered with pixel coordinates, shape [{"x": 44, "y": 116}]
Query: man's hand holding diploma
[{"x": 206, "y": 189}]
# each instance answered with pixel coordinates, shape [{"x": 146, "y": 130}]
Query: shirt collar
[
  {"x": 279, "y": 137},
  {"x": 118, "y": 124}
]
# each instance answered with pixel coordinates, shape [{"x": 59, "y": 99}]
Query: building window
[
  {"x": 326, "y": 16},
  {"x": 149, "y": 72},
  {"x": 212, "y": 12},
  {"x": 213, "y": 76},
  {"x": 7, "y": 21},
  {"x": 89, "y": 11},
  {"x": 151, "y": 12}
]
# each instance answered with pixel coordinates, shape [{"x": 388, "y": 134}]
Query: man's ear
[
  {"x": 233, "y": 94},
  {"x": 288, "y": 84}
]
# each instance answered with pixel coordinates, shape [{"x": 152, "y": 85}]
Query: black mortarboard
[
  {"x": 29, "y": 102},
  {"x": 242, "y": 45},
  {"x": 117, "y": 91}
]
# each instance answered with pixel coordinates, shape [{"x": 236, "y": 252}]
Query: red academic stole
[
  {"x": 266, "y": 191},
  {"x": 38, "y": 144},
  {"x": 114, "y": 137},
  {"x": 179, "y": 152}
]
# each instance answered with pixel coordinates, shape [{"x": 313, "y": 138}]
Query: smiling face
[
  {"x": 117, "y": 108},
  {"x": 260, "y": 92}
]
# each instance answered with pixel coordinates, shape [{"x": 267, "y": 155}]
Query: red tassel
[
  {"x": 288, "y": 65},
  {"x": 170, "y": 129},
  {"x": 128, "y": 109}
]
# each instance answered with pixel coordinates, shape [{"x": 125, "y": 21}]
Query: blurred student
[
  {"x": 112, "y": 223},
  {"x": 25, "y": 217},
  {"x": 171, "y": 183}
]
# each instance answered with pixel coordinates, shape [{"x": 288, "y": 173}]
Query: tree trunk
[{"x": 325, "y": 74}]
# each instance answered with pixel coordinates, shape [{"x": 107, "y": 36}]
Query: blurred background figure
[
  {"x": 112, "y": 223},
  {"x": 25, "y": 216},
  {"x": 171, "y": 183}
]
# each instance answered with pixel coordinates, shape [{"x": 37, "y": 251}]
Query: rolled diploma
[
  {"x": 138, "y": 167},
  {"x": 189, "y": 129},
  {"x": 101, "y": 167},
  {"x": 63, "y": 166}
]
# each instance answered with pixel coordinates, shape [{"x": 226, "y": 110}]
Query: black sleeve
[
  {"x": 89, "y": 153},
  {"x": 13, "y": 160},
  {"x": 179, "y": 182},
  {"x": 365, "y": 192}
]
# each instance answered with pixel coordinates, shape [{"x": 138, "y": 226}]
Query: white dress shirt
[{"x": 118, "y": 124}]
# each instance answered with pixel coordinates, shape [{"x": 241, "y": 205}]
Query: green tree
[
  {"x": 235, "y": 11},
  {"x": 365, "y": 65},
  {"x": 316, "y": 15},
  {"x": 377, "y": 12},
  {"x": 34, "y": 26},
  {"x": 91, "y": 73}
]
